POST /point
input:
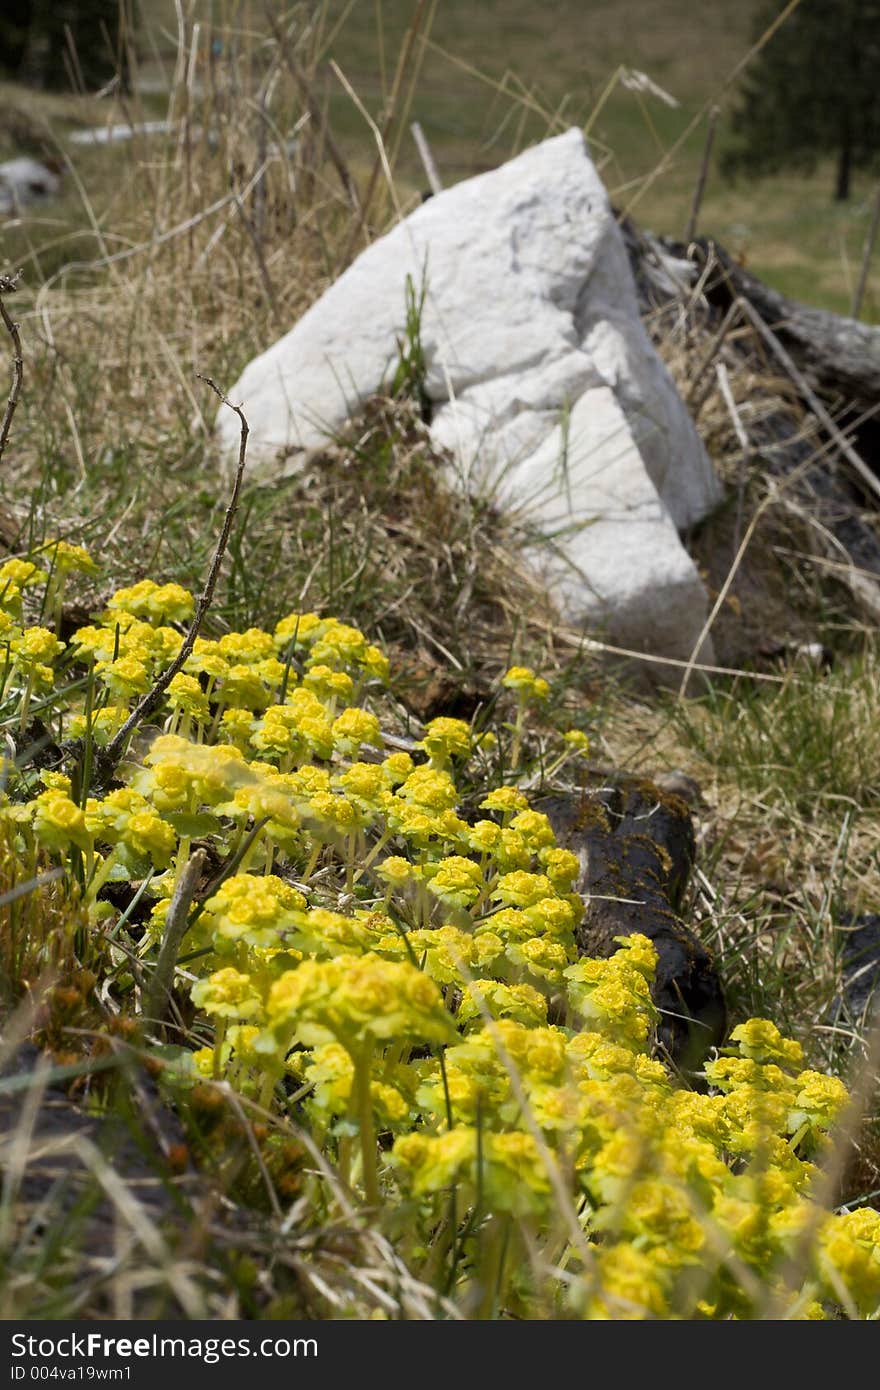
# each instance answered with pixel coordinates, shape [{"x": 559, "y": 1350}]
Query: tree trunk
[
  {"x": 14, "y": 29},
  {"x": 844, "y": 170}
]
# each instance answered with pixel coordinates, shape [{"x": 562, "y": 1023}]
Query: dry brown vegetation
[{"x": 191, "y": 253}]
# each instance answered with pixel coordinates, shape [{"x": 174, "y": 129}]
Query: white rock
[
  {"x": 545, "y": 386},
  {"x": 124, "y": 130},
  {"x": 23, "y": 181}
]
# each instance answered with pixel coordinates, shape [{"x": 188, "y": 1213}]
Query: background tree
[
  {"x": 63, "y": 43},
  {"x": 812, "y": 92},
  {"x": 15, "y": 23}
]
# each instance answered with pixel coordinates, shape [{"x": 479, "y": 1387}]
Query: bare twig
[
  {"x": 107, "y": 758},
  {"x": 156, "y": 1004},
  {"x": 700, "y": 189},
  {"x": 8, "y": 285}
]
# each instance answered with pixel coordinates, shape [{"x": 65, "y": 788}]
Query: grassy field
[
  {"x": 562, "y": 64},
  {"x": 155, "y": 267},
  {"x": 486, "y": 78}
]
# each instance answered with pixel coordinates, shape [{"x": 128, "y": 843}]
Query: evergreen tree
[
  {"x": 15, "y": 24},
  {"x": 812, "y": 92},
  {"x": 62, "y": 43}
]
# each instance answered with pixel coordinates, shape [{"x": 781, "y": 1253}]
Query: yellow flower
[
  {"x": 147, "y": 835},
  {"x": 520, "y": 1002},
  {"x": 397, "y": 767},
  {"x": 58, "y": 821},
  {"x": 535, "y": 829},
  {"x": 227, "y": 993},
  {"x": 258, "y": 909},
  {"x": 522, "y": 889},
  {"x": 36, "y": 646},
  {"x": 576, "y": 739},
  {"x": 630, "y": 1286},
  {"x": 762, "y": 1041},
  {"x": 185, "y": 694},
  {"x": 356, "y": 1000},
  {"x": 365, "y": 786},
  {"x": 20, "y": 573},
  {"x": 354, "y": 727},
  {"x": 447, "y": 738},
  {"x": 64, "y": 557},
  {"x": 527, "y": 685},
  {"x": 242, "y": 686},
  {"x": 850, "y": 1254},
  {"x": 331, "y": 1073},
  {"x": 457, "y": 881},
  {"x": 561, "y": 867},
  {"x": 153, "y": 602},
  {"x": 236, "y": 726},
  {"x": 328, "y": 685},
  {"x": 819, "y": 1101},
  {"x": 298, "y": 628},
  {"x": 512, "y": 1173},
  {"x": 124, "y": 677},
  {"x": 206, "y": 659},
  {"x": 397, "y": 872},
  {"x": 442, "y": 952},
  {"x": 540, "y": 957},
  {"x": 246, "y": 647},
  {"x": 430, "y": 789}
]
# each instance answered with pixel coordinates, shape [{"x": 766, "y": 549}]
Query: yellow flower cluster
[{"x": 402, "y": 971}]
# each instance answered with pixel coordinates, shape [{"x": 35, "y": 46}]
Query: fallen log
[
  {"x": 837, "y": 355},
  {"x": 832, "y": 363},
  {"x": 636, "y": 846}
]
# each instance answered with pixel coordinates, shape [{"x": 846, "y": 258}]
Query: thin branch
[
  {"x": 156, "y": 1005},
  {"x": 107, "y": 758},
  {"x": 8, "y": 285},
  {"x": 700, "y": 188}
]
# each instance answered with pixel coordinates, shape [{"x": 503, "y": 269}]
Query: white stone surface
[
  {"x": 546, "y": 389},
  {"x": 25, "y": 180}
]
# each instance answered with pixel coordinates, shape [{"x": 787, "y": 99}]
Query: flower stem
[{"x": 365, "y": 1126}]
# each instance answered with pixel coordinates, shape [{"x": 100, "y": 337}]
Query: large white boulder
[{"x": 545, "y": 387}]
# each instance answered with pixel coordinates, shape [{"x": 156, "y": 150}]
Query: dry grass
[{"x": 189, "y": 255}]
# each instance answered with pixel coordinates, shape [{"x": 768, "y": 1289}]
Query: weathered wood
[
  {"x": 636, "y": 845},
  {"x": 838, "y": 355}
]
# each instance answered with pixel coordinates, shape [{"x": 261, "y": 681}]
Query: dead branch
[
  {"x": 156, "y": 1004},
  {"x": 8, "y": 285}
]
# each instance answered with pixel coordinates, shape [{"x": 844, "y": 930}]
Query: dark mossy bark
[{"x": 636, "y": 846}]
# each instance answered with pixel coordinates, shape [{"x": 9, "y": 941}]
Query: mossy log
[{"x": 636, "y": 846}]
